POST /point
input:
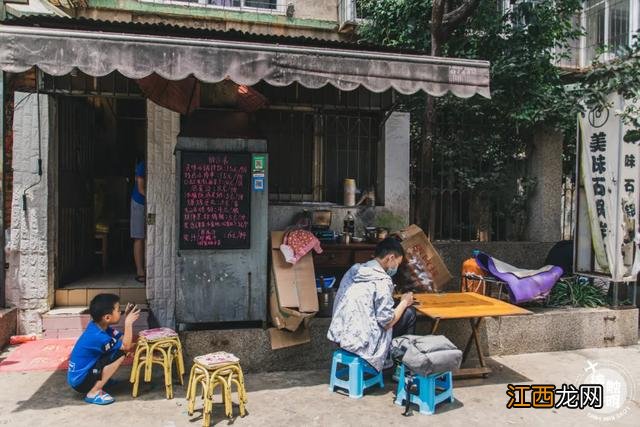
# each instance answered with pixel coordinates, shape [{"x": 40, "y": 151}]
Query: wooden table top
[{"x": 462, "y": 305}]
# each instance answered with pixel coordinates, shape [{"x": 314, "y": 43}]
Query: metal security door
[
  {"x": 75, "y": 195},
  {"x": 225, "y": 285}
]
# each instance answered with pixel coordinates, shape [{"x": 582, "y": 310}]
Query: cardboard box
[
  {"x": 293, "y": 299},
  {"x": 283, "y": 339},
  {"x": 296, "y": 284},
  {"x": 291, "y": 327},
  {"x": 286, "y": 318},
  {"x": 419, "y": 249}
]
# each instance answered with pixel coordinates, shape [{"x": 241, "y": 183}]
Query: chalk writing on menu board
[{"x": 215, "y": 208}]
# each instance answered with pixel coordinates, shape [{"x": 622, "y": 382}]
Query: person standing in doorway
[{"x": 137, "y": 220}]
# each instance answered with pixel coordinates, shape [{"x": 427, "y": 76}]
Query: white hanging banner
[{"x": 607, "y": 234}]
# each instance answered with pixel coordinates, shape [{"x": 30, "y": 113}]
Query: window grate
[
  {"x": 311, "y": 153},
  {"x": 350, "y": 150},
  {"x": 260, "y": 6},
  {"x": 290, "y": 142}
]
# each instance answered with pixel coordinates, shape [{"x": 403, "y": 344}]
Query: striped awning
[{"x": 58, "y": 51}]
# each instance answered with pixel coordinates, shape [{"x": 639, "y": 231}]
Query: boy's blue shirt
[{"x": 92, "y": 344}]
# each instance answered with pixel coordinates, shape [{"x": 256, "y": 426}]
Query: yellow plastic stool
[
  {"x": 209, "y": 372},
  {"x": 159, "y": 346}
]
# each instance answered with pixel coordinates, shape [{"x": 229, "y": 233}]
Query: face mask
[{"x": 391, "y": 271}]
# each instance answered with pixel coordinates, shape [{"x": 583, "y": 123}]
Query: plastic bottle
[{"x": 349, "y": 224}]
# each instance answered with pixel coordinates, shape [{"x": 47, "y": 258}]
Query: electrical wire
[{"x": 24, "y": 193}]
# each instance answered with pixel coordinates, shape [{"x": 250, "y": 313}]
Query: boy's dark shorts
[{"x": 95, "y": 374}]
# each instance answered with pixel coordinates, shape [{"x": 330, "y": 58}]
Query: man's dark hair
[
  {"x": 101, "y": 305},
  {"x": 388, "y": 246}
]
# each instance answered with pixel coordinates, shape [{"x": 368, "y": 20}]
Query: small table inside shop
[{"x": 465, "y": 305}]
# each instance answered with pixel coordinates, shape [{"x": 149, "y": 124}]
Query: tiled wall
[
  {"x": 163, "y": 127},
  {"x": 27, "y": 280}
]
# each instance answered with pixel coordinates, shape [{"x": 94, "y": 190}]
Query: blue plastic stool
[
  {"x": 355, "y": 371},
  {"x": 432, "y": 389}
]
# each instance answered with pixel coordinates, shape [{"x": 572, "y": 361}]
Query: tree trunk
[
  {"x": 443, "y": 21},
  {"x": 425, "y": 204},
  {"x": 481, "y": 215}
]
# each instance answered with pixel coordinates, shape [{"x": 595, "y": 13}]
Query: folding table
[{"x": 465, "y": 305}]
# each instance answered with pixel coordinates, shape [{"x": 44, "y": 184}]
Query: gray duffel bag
[{"x": 426, "y": 354}]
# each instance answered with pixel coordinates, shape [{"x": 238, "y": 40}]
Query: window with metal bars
[
  {"x": 312, "y": 153},
  {"x": 609, "y": 25},
  {"x": 350, "y": 151},
  {"x": 619, "y": 14},
  {"x": 277, "y": 6},
  {"x": 289, "y": 136}
]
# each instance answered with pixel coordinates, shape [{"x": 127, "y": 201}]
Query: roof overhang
[{"x": 58, "y": 51}]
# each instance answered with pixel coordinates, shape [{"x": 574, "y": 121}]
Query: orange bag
[{"x": 472, "y": 285}]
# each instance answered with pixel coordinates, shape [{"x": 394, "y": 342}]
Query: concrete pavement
[{"x": 302, "y": 398}]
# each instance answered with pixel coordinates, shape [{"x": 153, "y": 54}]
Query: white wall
[
  {"x": 397, "y": 196},
  {"x": 313, "y": 9}
]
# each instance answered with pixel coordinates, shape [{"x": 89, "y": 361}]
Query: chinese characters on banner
[{"x": 607, "y": 241}]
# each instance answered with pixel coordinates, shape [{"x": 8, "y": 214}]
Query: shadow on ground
[
  {"x": 500, "y": 374},
  {"x": 54, "y": 392}
]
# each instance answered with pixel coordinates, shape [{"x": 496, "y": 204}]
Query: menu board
[{"x": 215, "y": 200}]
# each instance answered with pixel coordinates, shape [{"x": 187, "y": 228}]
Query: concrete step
[
  {"x": 82, "y": 297},
  {"x": 70, "y": 322},
  {"x": 558, "y": 329}
]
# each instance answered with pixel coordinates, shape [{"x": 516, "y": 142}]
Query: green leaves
[
  {"x": 527, "y": 88},
  {"x": 577, "y": 293},
  {"x": 482, "y": 144},
  {"x": 400, "y": 23},
  {"x": 621, "y": 75},
  {"x": 632, "y": 136}
]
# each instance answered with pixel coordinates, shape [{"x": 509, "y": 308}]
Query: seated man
[{"x": 364, "y": 318}]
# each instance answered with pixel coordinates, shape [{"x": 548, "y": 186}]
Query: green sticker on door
[{"x": 258, "y": 162}]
